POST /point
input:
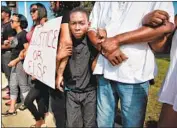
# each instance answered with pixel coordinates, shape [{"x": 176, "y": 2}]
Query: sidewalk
[{"x": 23, "y": 118}]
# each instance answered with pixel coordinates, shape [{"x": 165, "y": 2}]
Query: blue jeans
[{"x": 133, "y": 100}]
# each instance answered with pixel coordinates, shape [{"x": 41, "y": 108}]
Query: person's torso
[
  {"x": 173, "y": 52},
  {"x": 17, "y": 43},
  {"x": 170, "y": 79},
  {"x": 29, "y": 34},
  {"x": 6, "y": 31},
  {"x": 78, "y": 75},
  {"x": 123, "y": 17}
]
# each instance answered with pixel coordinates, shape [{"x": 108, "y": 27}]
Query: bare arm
[
  {"x": 154, "y": 19},
  {"x": 110, "y": 47},
  {"x": 162, "y": 44},
  {"x": 157, "y": 37},
  {"x": 143, "y": 34},
  {"x": 115, "y": 58},
  {"x": 93, "y": 36},
  {"x": 6, "y": 45},
  {"x": 26, "y": 46},
  {"x": 65, "y": 40},
  {"x": 20, "y": 57},
  {"x": 14, "y": 62},
  {"x": 159, "y": 44}
]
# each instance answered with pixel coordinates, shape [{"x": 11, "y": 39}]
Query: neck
[
  {"x": 6, "y": 20},
  {"x": 37, "y": 23},
  {"x": 18, "y": 30},
  {"x": 43, "y": 20},
  {"x": 78, "y": 40}
]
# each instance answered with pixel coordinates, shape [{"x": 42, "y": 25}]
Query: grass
[{"x": 154, "y": 107}]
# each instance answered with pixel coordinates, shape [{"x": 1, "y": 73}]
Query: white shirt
[
  {"x": 120, "y": 17},
  {"x": 169, "y": 90}
]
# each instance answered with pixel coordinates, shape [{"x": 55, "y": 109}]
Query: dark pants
[
  {"x": 58, "y": 107},
  {"x": 39, "y": 93},
  {"x": 81, "y": 109}
]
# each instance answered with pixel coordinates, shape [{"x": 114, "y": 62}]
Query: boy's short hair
[
  {"x": 79, "y": 9},
  {"x": 22, "y": 19}
]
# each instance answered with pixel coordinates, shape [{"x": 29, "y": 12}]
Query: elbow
[
  {"x": 157, "y": 49},
  {"x": 92, "y": 35},
  {"x": 58, "y": 58},
  {"x": 158, "y": 46},
  {"x": 66, "y": 42},
  {"x": 169, "y": 27}
]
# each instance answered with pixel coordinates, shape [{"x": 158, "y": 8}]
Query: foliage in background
[{"x": 88, "y": 5}]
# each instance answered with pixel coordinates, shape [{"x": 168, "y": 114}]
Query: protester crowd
[{"x": 102, "y": 57}]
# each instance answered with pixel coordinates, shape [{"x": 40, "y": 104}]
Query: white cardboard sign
[{"x": 40, "y": 61}]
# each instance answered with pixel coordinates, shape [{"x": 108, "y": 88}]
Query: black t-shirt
[
  {"x": 17, "y": 43},
  {"x": 6, "y": 31},
  {"x": 65, "y": 19},
  {"x": 65, "y": 13}
]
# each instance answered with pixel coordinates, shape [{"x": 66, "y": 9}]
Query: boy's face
[
  {"x": 78, "y": 24},
  {"x": 15, "y": 22}
]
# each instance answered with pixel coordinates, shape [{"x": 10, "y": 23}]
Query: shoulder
[
  {"x": 7, "y": 26},
  {"x": 65, "y": 14},
  {"x": 22, "y": 34}
]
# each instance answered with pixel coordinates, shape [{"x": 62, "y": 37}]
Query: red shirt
[{"x": 29, "y": 34}]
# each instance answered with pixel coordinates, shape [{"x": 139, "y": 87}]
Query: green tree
[{"x": 88, "y": 5}]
